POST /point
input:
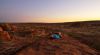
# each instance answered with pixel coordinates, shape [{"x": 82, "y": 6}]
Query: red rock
[
  {"x": 1, "y": 29},
  {"x": 4, "y": 36},
  {"x": 14, "y": 28},
  {"x": 6, "y": 27}
]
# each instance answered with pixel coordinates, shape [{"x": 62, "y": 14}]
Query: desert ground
[{"x": 78, "y": 38}]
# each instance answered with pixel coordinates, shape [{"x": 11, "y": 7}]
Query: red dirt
[{"x": 37, "y": 42}]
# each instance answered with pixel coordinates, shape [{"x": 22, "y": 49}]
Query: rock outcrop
[
  {"x": 4, "y": 36},
  {"x": 1, "y": 29}
]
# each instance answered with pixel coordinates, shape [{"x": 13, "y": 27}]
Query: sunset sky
[{"x": 49, "y": 10}]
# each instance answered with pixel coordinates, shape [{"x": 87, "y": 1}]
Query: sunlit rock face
[
  {"x": 4, "y": 36},
  {"x": 13, "y": 28},
  {"x": 1, "y": 29},
  {"x": 6, "y": 27}
]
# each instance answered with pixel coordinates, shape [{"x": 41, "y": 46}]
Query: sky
[{"x": 49, "y": 10}]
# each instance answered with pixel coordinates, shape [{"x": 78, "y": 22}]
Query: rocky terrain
[{"x": 34, "y": 38}]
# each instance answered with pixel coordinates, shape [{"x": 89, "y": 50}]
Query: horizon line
[{"x": 52, "y": 22}]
